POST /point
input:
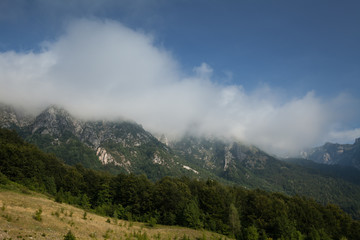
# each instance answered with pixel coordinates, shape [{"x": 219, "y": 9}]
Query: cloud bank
[{"x": 104, "y": 70}]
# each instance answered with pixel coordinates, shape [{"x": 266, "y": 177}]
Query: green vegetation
[
  {"x": 235, "y": 211},
  {"x": 69, "y": 236},
  {"x": 152, "y": 222},
  {"x": 250, "y": 167},
  {"x": 37, "y": 215},
  {"x": 68, "y": 148},
  {"x": 18, "y": 223}
]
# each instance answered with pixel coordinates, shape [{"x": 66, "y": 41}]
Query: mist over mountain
[
  {"x": 101, "y": 69},
  {"x": 126, "y": 147}
]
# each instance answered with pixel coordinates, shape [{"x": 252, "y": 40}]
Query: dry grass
[{"x": 18, "y": 221}]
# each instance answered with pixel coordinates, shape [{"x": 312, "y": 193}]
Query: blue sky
[
  {"x": 296, "y": 45},
  {"x": 270, "y": 55}
]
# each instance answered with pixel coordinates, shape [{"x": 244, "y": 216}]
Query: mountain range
[
  {"x": 126, "y": 147},
  {"x": 335, "y": 153}
]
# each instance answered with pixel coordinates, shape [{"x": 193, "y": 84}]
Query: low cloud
[
  {"x": 344, "y": 136},
  {"x": 102, "y": 69}
]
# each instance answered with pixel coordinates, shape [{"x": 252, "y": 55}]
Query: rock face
[
  {"x": 55, "y": 121},
  {"x": 164, "y": 139},
  {"x": 334, "y": 153},
  {"x": 10, "y": 117},
  {"x": 104, "y": 157},
  {"x": 216, "y": 155}
]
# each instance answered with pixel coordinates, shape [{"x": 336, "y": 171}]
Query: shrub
[
  {"x": 3, "y": 179},
  {"x": 37, "y": 215},
  {"x": 152, "y": 222},
  {"x": 107, "y": 233},
  {"x": 69, "y": 236}
]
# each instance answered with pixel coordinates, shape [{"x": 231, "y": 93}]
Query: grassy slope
[{"x": 17, "y": 222}]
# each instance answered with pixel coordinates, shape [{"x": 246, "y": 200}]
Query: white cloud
[
  {"x": 203, "y": 71},
  {"x": 345, "y": 136},
  {"x": 102, "y": 69}
]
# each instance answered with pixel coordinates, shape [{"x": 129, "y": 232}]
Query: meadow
[{"x": 29, "y": 215}]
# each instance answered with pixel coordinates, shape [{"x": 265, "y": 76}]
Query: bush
[
  {"x": 37, "y": 215},
  {"x": 3, "y": 207},
  {"x": 152, "y": 222},
  {"x": 3, "y": 179},
  {"x": 69, "y": 236}
]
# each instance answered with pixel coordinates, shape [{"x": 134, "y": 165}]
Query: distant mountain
[
  {"x": 125, "y": 147},
  {"x": 251, "y": 167},
  {"x": 231, "y": 160},
  {"x": 346, "y": 173},
  {"x": 334, "y": 153}
]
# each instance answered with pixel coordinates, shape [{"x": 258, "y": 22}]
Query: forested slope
[
  {"x": 125, "y": 147},
  {"x": 174, "y": 201}
]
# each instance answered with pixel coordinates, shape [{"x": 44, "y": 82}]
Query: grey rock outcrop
[{"x": 334, "y": 153}]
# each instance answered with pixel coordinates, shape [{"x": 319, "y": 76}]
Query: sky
[{"x": 282, "y": 75}]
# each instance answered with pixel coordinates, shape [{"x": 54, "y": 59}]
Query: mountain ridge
[
  {"x": 335, "y": 153},
  {"x": 120, "y": 146},
  {"x": 125, "y": 147}
]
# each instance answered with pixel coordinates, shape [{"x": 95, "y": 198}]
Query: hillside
[
  {"x": 346, "y": 173},
  {"x": 17, "y": 222},
  {"x": 229, "y": 210},
  {"x": 250, "y": 167},
  {"x": 116, "y": 147},
  {"x": 125, "y": 147}
]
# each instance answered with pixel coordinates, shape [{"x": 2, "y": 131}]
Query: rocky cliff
[
  {"x": 334, "y": 153},
  {"x": 13, "y": 118}
]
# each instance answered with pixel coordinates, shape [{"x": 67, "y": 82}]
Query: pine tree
[
  {"x": 69, "y": 236},
  {"x": 84, "y": 202},
  {"x": 192, "y": 215},
  {"x": 60, "y": 196},
  {"x": 234, "y": 220},
  {"x": 252, "y": 233}
]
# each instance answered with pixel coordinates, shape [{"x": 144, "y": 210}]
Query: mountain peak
[
  {"x": 53, "y": 120},
  {"x": 56, "y": 110},
  {"x": 335, "y": 153}
]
